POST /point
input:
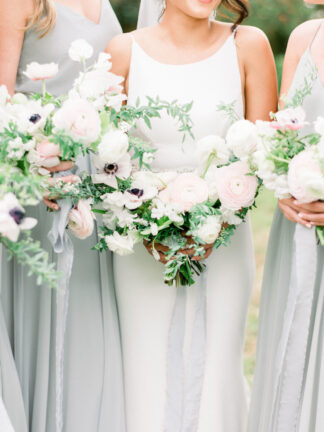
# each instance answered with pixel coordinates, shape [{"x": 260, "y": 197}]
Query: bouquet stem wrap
[
  {"x": 292, "y": 351},
  {"x": 184, "y": 388},
  {"x": 63, "y": 247}
]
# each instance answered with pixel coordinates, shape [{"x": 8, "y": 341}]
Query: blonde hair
[{"x": 43, "y": 18}]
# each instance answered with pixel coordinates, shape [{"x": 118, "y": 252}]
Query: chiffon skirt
[
  {"x": 272, "y": 310},
  {"x": 146, "y": 305},
  {"x": 93, "y": 379}
]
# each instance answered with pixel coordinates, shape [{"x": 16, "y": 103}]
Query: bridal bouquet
[
  {"x": 39, "y": 131},
  {"x": 179, "y": 214},
  {"x": 290, "y": 164}
]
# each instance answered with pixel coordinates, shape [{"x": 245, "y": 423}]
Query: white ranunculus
[
  {"x": 113, "y": 146},
  {"x": 12, "y": 218},
  {"x": 319, "y": 125},
  {"x": 19, "y": 99},
  {"x": 37, "y": 72},
  {"x": 80, "y": 50},
  {"x": 79, "y": 119},
  {"x": 242, "y": 138},
  {"x": 208, "y": 231},
  {"x": 121, "y": 245},
  {"x": 212, "y": 146}
]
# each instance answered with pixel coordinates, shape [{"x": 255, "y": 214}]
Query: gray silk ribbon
[
  {"x": 184, "y": 390},
  {"x": 291, "y": 355},
  {"x": 5, "y": 424},
  {"x": 63, "y": 247}
]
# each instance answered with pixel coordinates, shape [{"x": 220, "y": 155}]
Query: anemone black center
[
  {"x": 17, "y": 215},
  {"x": 137, "y": 192},
  {"x": 111, "y": 168},
  {"x": 35, "y": 118}
]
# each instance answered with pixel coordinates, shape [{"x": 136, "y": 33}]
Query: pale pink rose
[
  {"x": 305, "y": 178},
  {"x": 290, "y": 118},
  {"x": 48, "y": 153},
  {"x": 81, "y": 220},
  {"x": 185, "y": 191},
  {"x": 236, "y": 189},
  {"x": 37, "y": 72},
  {"x": 79, "y": 119}
]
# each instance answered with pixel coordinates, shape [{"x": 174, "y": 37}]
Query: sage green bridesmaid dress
[
  {"x": 93, "y": 399},
  {"x": 293, "y": 400}
]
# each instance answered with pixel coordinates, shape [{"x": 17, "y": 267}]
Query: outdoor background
[{"x": 277, "y": 18}]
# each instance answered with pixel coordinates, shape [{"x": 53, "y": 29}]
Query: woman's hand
[
  {"x": 312, "y": 213},
  {"x": 162, "y": 251},
  {"x": 307, "y": 215}
]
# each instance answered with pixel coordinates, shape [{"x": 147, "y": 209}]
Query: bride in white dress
[{"x": 189, "y": 57}]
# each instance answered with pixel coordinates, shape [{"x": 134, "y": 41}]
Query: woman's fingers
[
  {"x": 51, "y": 204},
  {"x": 63, "y": 166},
  {"x": 315, "y": 207},
  {"x": 315, "y": 218},
  {"x": 292, "y": 215}
]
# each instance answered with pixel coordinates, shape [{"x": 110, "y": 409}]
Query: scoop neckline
[{"x": 207, "y": 59}]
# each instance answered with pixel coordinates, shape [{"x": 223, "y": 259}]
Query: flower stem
[{"x": 209, "y": 162}]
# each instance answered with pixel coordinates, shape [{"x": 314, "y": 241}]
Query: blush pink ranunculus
[
  {"x": 304, "y": 172},
  {"x": 185, "y": 191},
  {"x": 236, "y": 189},
  {"x": 81, "y": 220},
  {"x": 79, "y": 119},
  {"x": 48, "y": 153}
]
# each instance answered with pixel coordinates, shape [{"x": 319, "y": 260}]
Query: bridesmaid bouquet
[
  {"x": 290, "y": 164},
  {"x": 178, "y": 214}
]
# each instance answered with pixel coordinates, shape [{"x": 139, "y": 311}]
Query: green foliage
[{"x": 29, "y": 253}]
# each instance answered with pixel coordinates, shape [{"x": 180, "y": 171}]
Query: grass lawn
[{"x": 261, "y": 222}]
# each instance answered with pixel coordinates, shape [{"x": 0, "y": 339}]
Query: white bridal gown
[{"x": 146, "y": 304}]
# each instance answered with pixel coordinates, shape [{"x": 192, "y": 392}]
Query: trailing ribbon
[
  {"x": 184, "y": 390},
  {"x": 5, "y": 424},
  {"x": 63, "y": 246},
  {"x": 291, "y": 355}
]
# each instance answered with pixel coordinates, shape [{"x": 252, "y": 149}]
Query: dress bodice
[
  {"x": 313, "y": 103},
  {"x": 207, "y": 83},
  {"x": 54, "y": 46}
]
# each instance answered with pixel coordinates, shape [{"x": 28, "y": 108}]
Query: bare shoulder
[
  {"x": 251, "y": 38},
  {"x": 302, "y": 36},
  {"x": 16, "y": 11}
]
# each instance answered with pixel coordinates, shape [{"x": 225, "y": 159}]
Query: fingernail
[
  {"x": 300, "y": 215},
  {"x": 309, "y": 225},
  {"x": 296, "y": 202}
]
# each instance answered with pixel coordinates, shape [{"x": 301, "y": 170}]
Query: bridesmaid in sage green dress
[
  {"x": 288, "y": 391},
  {"x": 93, "y": 398}
]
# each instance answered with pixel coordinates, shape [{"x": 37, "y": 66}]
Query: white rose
[
  {"x": 36, "y": 71},
  {"x": 242, "y": 138},
  {"x": 121, "y": 245},
  {"x": 80, "y": 50},
  {"x": 113, "y": 146},
  {"x": 208, "y": 231},
  {"x": 212, "y": 146}
]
